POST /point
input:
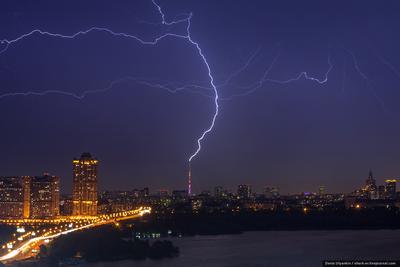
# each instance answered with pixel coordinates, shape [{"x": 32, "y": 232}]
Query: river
[{"x": 276, "y": 249}]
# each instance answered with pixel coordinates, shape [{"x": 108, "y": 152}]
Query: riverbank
[
  {"x": 276, "y": 248},
  {"x": 107, "y": 243},
  {"x": 235, "y": 223}
]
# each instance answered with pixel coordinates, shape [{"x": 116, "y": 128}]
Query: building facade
[
  {"x": 45, "y": 196},
  {"x": 244, "y": 191},
  {"x": 15, "y": 197},
  {"x": 370, "y": 188},
  {"x": 84, "y": 191},
  {"x": 390, "y": 188}
]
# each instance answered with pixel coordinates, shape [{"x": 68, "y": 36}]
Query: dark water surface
[{"x": 276, "y": 249}]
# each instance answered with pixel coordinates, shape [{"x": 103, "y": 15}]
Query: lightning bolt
[
  {"x": 201, "y": 54},
  {"x": 212, "y": 86},
  {"x": 251, "y": 88},
  {"x": 198, "y": 88},
  {"x": 85, "y": 93},
  {"x": 388, "y": 64},
  {"x": 264, "y": 78},
  {"x": 209, "y": 129},
  {"x": 187, "y": 36},
  {"x": 368, "y": 81}
]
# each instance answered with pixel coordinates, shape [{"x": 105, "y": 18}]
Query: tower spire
[{"x": 190, "y": 180}]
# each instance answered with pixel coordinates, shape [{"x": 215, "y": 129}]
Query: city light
[
  {"x": 21, "y": 230},
  {"x": 79, "y": 223}
]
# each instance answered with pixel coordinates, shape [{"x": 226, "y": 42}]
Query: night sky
[{"x": 297, "y": 135}]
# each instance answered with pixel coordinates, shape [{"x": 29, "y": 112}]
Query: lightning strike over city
[
  {"x": 187, "y": 36},
  {"x": 7, "y": 43},
  {"x": 161, "y": 133}
]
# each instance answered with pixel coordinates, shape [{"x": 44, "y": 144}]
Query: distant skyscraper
[
  {"x": 140, "y": 193},
  {"x": 321, "y": 190},
  {"x": 45, "y": 196},
  {"x": 267, "y": 192},
  {"x": 15, "y": 197},
  {"x": 145, "y": 192},
  {"x": 219, "y": 192},
  {"x": 84, "y": 192},
  {"x": 381, "y": 192},
  {"x": 244, "y": 191},
  {"x": 272, "y": 192},
  {"x": 370, "y": 186},
  {"x": 390, "y": 188}
]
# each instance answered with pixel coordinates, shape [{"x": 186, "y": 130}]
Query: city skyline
[
  {"x": 38, "y": 198},
  {"x": 86, "y": 159}
]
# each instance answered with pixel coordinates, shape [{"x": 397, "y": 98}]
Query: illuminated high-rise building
[
  {"x": 45, "y": 196},
  {"x": 381, "y": 192},
  {"x": 390, "y": 188},
  {"x": 321, "y": 190},
  {"x": 219, "y": 192},
  {"x": 244, "y": 191},
  {"x": 15, "y": 197},
  {"x": 271, "y": 192},
  {"x": 84, "y": 191},
  {"x": 370, "y": 186},
  {"x": 66, "y": 205}
]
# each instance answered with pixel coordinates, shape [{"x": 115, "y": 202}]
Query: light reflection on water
[{"x": 276, "y": 249}]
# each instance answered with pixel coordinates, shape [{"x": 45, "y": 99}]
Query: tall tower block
[{"x": 84, "y": 192}]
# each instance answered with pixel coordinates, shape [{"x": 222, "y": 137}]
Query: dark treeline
[
  {"x": 106, "y": 243},
  {"x": 233, "y": 223}
]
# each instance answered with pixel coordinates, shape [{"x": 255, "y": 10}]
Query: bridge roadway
[{"x": 27, "y": 245}]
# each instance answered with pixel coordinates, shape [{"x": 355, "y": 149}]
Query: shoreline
[
  {"x": 305, "y": 234},
  {"x": 214, "y": 224}
]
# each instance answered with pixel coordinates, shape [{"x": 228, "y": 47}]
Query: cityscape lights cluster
[{"x": 26, "y": 245}]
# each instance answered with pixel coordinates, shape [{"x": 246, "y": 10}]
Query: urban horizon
[
  {"x": 196, "y": 190},
  {"x": 39, "y": 197}
]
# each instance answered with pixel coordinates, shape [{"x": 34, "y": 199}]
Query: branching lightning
[
  {"x": 250, "y": 89},
  {"x": 209, "y": 89},
  {"x": 368, "y": 81},
  {"x": 201, "y": 54},
  {"x": 388, "y": 64},
  {"x": 82, "y": 95},
  {"x": 187, "y": 36}
]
